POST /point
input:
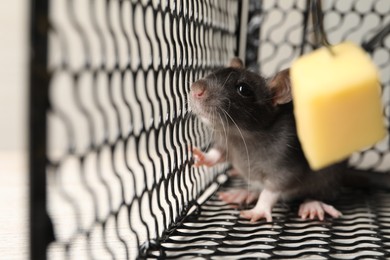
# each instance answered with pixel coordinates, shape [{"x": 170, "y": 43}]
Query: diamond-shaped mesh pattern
[
  {"x": 217, "y": 232},
  {"x": 118, "y": 163}
]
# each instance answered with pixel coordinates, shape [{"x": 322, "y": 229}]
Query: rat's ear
[
  {"x": 236, "y": 63},
  {"x": 280, "y": 86}
]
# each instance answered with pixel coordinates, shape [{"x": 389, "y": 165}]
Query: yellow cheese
[{"x": 337, "y": 103}]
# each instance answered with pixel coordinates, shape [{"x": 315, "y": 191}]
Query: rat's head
[{"x": 238, "y": 96}]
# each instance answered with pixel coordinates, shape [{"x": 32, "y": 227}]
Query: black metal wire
[
  {"x": 40, "y": 228},
  {"x": 218, "y": 232},
  {"x": 118, "y": 163},
  {"x": 370, "y": 45},
  {"x": 318, "y": 24}
]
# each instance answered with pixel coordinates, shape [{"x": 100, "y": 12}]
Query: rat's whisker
[
  {"x": 227, "y": 78},
  {"x": 211, "y": 133},
  {"x": 226, "y": 137},
  {"x": 246, "y": 146},
  {"x": 189, "y": 82},
  {"x": 187, "y": 112}
]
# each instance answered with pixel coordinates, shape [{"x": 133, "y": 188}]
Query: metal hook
[
  {"x": 377, "y": 38},
  {"x": 318, "y": 26}
]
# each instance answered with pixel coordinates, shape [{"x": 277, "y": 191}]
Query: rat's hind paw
[
  {"x": 233, "y": 172},
  {"x": 316, "y": 209},
  {"x": 263, "y": 208},
  {"x": 240, "y": 197},
  {"x": 256, "y": 214}
]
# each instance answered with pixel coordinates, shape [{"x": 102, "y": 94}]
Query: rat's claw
[
  {"x": 239, "y": 197},
  {"x": 199, "y": 157},
  {"x": 317, "y": 209},
  {"x": 233, "y": 173},
  {"x": 256, "y": 214},
  {"x": 208, "y": 159},
  {"x": 331, "y": 210},
  {"x": 263, "y": 208}
]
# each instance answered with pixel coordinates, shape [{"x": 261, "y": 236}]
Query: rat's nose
[{"x": 198, "y": 89}]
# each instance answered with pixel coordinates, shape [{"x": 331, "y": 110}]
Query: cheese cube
[{"x": 337, "y": 103}]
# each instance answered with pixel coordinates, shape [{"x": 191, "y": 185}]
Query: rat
[{"x": 254, "y": 130}]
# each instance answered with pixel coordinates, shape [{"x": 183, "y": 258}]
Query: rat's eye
[{"x": 244, "y": 90}]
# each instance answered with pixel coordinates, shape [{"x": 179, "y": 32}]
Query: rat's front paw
[
  {"x": 199, "y": 157},
  {"x": 208, "y": 159},
  {"x": 316, "y": 209},
  {"x": 256, "y": 214}
]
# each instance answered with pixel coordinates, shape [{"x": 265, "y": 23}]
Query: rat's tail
[{"x": 366, "y": 179}]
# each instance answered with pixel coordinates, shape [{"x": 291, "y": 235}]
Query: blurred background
[
  {"x": 13, "y": 71},
  {"x": 13, "y": 139}
]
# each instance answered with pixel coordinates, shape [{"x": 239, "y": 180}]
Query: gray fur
[{"x": 259, "y": 138}]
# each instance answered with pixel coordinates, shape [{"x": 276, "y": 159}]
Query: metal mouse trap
[
  {"x": 111, "y": 172},
  {"x": 215, "y": 231}
]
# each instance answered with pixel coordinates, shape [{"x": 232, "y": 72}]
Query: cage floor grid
[{"x": 215, "y": 231}]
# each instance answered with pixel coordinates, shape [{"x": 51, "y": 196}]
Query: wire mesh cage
[
  {"x": 286, "y": 33},
  {"x": 110, "y": 131}
]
